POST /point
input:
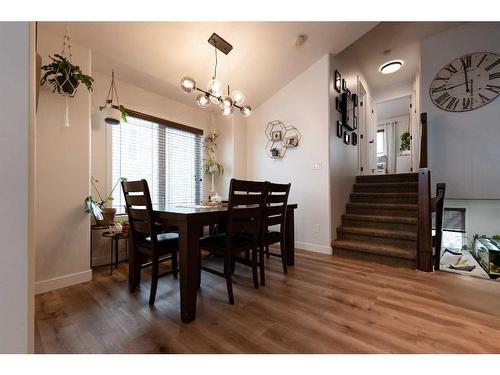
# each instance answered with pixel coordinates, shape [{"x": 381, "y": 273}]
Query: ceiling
[
  {"x": 155, "y": 55},
  {"x": 393, "y": 108},
  {"x": 402, "y": 40}
]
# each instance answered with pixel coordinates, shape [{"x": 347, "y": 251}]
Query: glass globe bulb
[
  {"x": 203, "y": 100},
  {"x": 226, "y": 102},
  {"x": 238, "y": 97},
  {"x": 188, "y": 84},
  {"x": 226, "y": 111},
  {"x": 246, "y": 110},
  {"x": 214, "y": 87}
]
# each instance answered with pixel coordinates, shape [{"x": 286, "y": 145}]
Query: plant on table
[
  {"x": 210, "y": 163},
  {"x": 102, "y": 214}
]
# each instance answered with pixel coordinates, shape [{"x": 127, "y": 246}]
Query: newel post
[{"x": 424, "y": 249}]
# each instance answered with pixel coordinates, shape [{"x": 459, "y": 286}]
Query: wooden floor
[{"x": 326, "y": 304}]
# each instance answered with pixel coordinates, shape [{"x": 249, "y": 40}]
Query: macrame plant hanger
[
  {"x": 112, "y": 93},
  {"x": 66, "y": 74}
]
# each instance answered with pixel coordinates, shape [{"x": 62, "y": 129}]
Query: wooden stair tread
[
  {"x": 386, "y": 219},
  {"x": 377, "y": 249},
  {"x": 386, "y": 206},
  {"x": 391, "y": 233},
  {"x": 380, "y": 184},
  {"x": 387, "y": 195}
]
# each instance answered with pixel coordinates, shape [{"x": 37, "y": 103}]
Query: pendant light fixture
[{"x": 214, "y": 92}]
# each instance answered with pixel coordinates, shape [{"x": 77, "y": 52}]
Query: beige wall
[
  {"x": 62, "y": 182},
  {"x": 302, "y": 103},
  {"x": 16, "y": 323}
]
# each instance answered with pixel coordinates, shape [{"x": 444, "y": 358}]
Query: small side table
[{"x": 115, "y": 237}]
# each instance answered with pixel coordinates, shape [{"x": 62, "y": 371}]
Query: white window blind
[{"x": 169, "y": 158}]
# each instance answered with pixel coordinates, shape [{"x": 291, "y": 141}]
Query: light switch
[
  {"x": 317, "y": 166},
  {"x": 316, "y": 228}
]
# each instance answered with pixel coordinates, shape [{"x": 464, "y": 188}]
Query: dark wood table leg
[
  {"x": 189, "y": 261},
  {"x": 290, "y": 237},
  {"x": 134, "y": 265}
]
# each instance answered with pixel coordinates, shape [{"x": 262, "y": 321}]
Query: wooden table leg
[
  {"x": 290, "y": 238},
  {"x": 134, "y": 265},
  {"x": 189, "y": 261}
]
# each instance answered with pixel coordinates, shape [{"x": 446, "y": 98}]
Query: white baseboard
[
  {"x": 313, "y": 247},
  {"x": 62, "y": 281}
]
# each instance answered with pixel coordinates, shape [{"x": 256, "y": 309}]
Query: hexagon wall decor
[{"x": 280, "y": 138}]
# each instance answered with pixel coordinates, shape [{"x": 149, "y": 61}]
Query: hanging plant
[
  {"x": 64, "y": 76},
  {"x": 405, "y": 142},
  {"x": 113, "y": 112}
]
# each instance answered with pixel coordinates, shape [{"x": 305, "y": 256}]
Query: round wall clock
[{"x": 467, "y": 83}]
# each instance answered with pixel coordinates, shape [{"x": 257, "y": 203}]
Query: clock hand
[
  {"x": 460, "y": 84},
  {"x": 465, "y": 72}
]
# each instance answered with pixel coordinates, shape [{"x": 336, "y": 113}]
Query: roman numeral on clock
[
  {"x": 495, "y": 75},
  {"x": 438, "y": 89},
  {"x": 453, "y": 103},
  {"x": 484, "y": 99},
  {"x": 481, "y": 61},
  {"x": 492, "y": 65},
  {"x": 443, "y": 98},
  {"x": 466, "y": 103},
  {"x": 493, "y": 88},
  {"x": 451, "y": 69},
  {"x": 466, "y": 61}
]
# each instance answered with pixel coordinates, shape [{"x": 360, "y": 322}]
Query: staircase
[{"x": 380, "y": 223}]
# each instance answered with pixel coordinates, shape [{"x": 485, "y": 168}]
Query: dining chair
[
  {"x": 243, "y": 231},
  {"x": 150, "y": 237},
  {"x": 274, "y": 214}
]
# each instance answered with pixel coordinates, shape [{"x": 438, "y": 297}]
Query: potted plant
[
  {"x": 108, "y": 213},
  {"x": 405, "y": 143},
  {"x": 125, "y": 226},
  {"x": 210, "y": 163},
  {"x": 64, "y": 76},
  {"x": 113, "y": 113}
]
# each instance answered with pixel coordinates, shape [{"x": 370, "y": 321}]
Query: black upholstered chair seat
[
  {"x": 165, "y": 240},
  {"x": 272, "y": 237},
  {"x": 217, "y": 243}
]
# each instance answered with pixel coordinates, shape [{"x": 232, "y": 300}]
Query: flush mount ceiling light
[
  {"x": 391, "y": 67},
  {"x": 214, "y": 92}
]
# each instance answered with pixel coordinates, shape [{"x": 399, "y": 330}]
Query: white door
[{"x": 371, "y": 133}]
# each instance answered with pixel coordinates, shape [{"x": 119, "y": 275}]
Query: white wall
[
  {"x": 16, "y": 311},
  {"x": 481, "y": 215},
  {"x": 62, "y": 181},
  {"x": 303, "y": 103},
  {"x": 463, "y": 147}
]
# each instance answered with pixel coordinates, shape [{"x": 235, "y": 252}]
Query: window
[
  {"x": 380, "y": 142},
  {"x": 453, "y": 228},
  {"x": 166, "y": 154}
]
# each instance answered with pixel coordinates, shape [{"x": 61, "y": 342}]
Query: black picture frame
[
  {"x": 347, "y": 138},
  {"x": 354, "y": 139},
  {"x": 338, "y": 103},
  {"x": 355, "y": 99},
  {"x": 344, "y": 84},
  {"x": 347, "y": 110},
  {"x": 339, "y": 129},
  {"x": 355, "y": 122},
  {"x": 348, "y": 92},
  {"x": 338, "y": 81}
]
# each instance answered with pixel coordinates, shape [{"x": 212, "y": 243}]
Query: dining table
[{"x": 189, "y": 221}]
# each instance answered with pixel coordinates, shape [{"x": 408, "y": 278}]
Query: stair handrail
[
  {"x": 424, "y": 244},
  {"x": 423, "y": 140}
]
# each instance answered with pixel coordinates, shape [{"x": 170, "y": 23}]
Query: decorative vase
[
  {"x": 112, "y": 116},
  {"x": 108, "y": 217}
]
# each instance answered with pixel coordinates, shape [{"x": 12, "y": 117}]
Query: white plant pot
[{"x": 112, "y": 116}]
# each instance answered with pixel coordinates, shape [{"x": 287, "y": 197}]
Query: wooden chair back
[
  {"x": 245, "y": 207},
  {"x": 139, "y": 209},
  {"x": 275, "y": 207}
]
